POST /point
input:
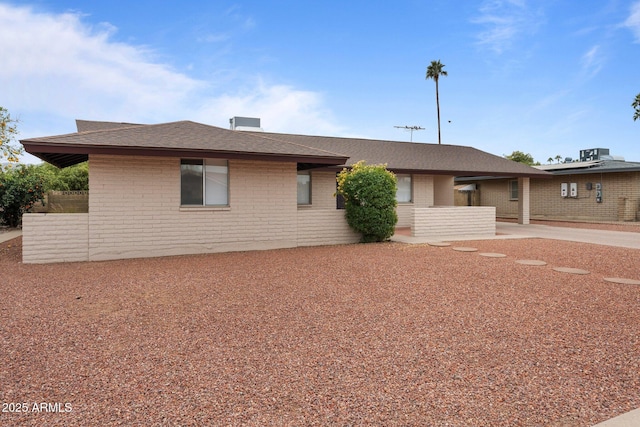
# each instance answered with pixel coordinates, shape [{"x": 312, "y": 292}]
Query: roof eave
[{"x": 77, "y": 154}]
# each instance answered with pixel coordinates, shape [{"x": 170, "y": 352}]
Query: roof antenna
[{"x": 410, "y": 128}]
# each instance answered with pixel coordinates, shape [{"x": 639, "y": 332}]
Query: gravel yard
[{"x": 380, "y": 334}]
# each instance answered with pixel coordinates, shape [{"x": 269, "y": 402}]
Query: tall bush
[
  {"x": 20, "y": 188},
  {"x": 369, "y": 193}
]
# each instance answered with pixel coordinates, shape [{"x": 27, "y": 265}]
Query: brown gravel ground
[{"x": 380, "y": 334}]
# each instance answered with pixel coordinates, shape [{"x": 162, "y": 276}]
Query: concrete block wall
[
  {"x": 324, "y": 227},
  {"x": 546, "y": 200},
  {"x": 422, "y": 193},
  {"x": 135, "y": 209},
  {"x": 323, "y": 188},
  {"x": 620, "y": 197},
  {"x": 55, "y": 237},
  {"x": 441, "y": 222}
]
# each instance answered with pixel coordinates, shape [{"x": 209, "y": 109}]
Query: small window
[
  {"x": 513, "y": 189},
  {"x": 339, "y": 198},
  {"x": 404, "y": 192},
  {"x": 304, "y": 188},
  {"x": 204, "y": 182}
]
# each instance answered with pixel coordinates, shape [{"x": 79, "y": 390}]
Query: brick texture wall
[
  {"x": 135, "y": 209},
  {"x": 620, "y": 197},
  {"x": 55, "y": 237},
  {"x": 440, "y": 222}
]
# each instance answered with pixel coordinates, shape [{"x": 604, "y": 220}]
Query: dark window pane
[{"x": 190, "y": 182}]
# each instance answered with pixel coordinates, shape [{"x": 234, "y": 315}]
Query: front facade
[{"x": 146, "y": 203}]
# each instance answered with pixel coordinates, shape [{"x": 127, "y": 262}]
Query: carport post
[{"x": 523, "y": 201}]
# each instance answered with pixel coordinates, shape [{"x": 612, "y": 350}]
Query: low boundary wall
[
  {"x": 55, "y": 237},
  {"x": 451, "y": 221}
]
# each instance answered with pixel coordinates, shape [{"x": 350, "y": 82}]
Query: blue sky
[{"x": 545, "y": 77}]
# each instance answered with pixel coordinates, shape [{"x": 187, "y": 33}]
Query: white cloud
[
  {"x": 281, "y": 108},
  {"x": 592, "y": 61},
  {"x": 633, "y": 21},
  {"x": 504, "y": 21},
  {"x": 57, "y": 67}
]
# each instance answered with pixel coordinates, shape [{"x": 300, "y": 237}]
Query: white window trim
[{"x": 410, "y": 189}]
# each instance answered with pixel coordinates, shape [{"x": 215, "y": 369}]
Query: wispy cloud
[
  {"x": 58, "y": 67},
  {"x": 592, "y": 61},
  {"x": 633, "y": 21},
  {"x": 504, "y": 21}
]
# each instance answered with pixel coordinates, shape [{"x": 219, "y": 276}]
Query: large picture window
[
  {"x": 404, "y": 193},
  {"x": 204, "y": 182}
]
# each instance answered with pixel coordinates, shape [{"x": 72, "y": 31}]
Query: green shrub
[
  {"x": 71, "y": 178},
  {"x": 369, "y": 193},
  {"x": 20, "y": 188}
]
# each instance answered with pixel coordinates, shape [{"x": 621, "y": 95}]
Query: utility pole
[{"x": 410, "y": 128}]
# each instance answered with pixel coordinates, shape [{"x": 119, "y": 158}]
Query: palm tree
[
  {"x": 550, "y": 160},
  {"x": 434, "y": 71},
  {"x": 636, "y": 106},
  {"x": 558, "y": 158}
]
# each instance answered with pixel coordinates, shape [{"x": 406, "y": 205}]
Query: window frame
[
  {"x": 513, "y": 187},
  {"x": 405, "y": 175},
  {"x": 310, "y": 188},
  {"x": 203, "y": 164}
]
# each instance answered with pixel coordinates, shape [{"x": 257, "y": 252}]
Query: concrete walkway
[
  {"x": 8, "y": 235},
  {"x": 508, "y": 230},
  {"x": 623, "y": 239}
]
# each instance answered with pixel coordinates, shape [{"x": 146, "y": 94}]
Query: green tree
[
  {"x": 20, "y": 188},
  {"x": 71, "y": 178},
  {"x": 520, "y": 157},
  {"x": 558, "y": 158},
  {"x": 550, "y": 160},
  {"x": 369, "y": 193},
  {"x": 434, "y": 71},
  {"x": 636, "y": 107},
  {"x": 8, "y": 131}
]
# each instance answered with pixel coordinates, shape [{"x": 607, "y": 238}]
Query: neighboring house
[
  {"x": 187, "y": 188},
  {"x": 596, "y": 188}
]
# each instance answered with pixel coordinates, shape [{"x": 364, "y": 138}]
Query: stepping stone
[
  {"x": 622, "y": 281},
  {"x": 570, "y": 270},
  {"x": 439, "y": 244},
  {"x": 492, "y": 254},
  {"x": 464, "y": 249},
  {"x": 530, "y": 262}
]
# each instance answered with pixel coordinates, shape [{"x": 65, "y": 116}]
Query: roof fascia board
[{"x": 36, "y": 148}]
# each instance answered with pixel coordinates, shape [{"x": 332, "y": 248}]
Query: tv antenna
[{"x": 410, "y": 128}]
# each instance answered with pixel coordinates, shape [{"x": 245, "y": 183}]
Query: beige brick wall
[
  {"x": 440, "y": 222},
  {"x": 135, "y": 209},
  {"x": 324, "y": 227},
  {"x": 323, "y": 188},
  {"x": 55, "y": 237},
  {"x": 422, "y": 195},
  {"x": 546, "y": 201}
]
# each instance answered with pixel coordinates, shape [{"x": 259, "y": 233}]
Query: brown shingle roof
[
  {"x": 184, "y": 139},
  {"x": 416, "y": 157},
  {"x": 190, "y": 139}
]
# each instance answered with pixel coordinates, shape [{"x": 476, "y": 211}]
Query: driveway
[{"x": 599, "y": 237}]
